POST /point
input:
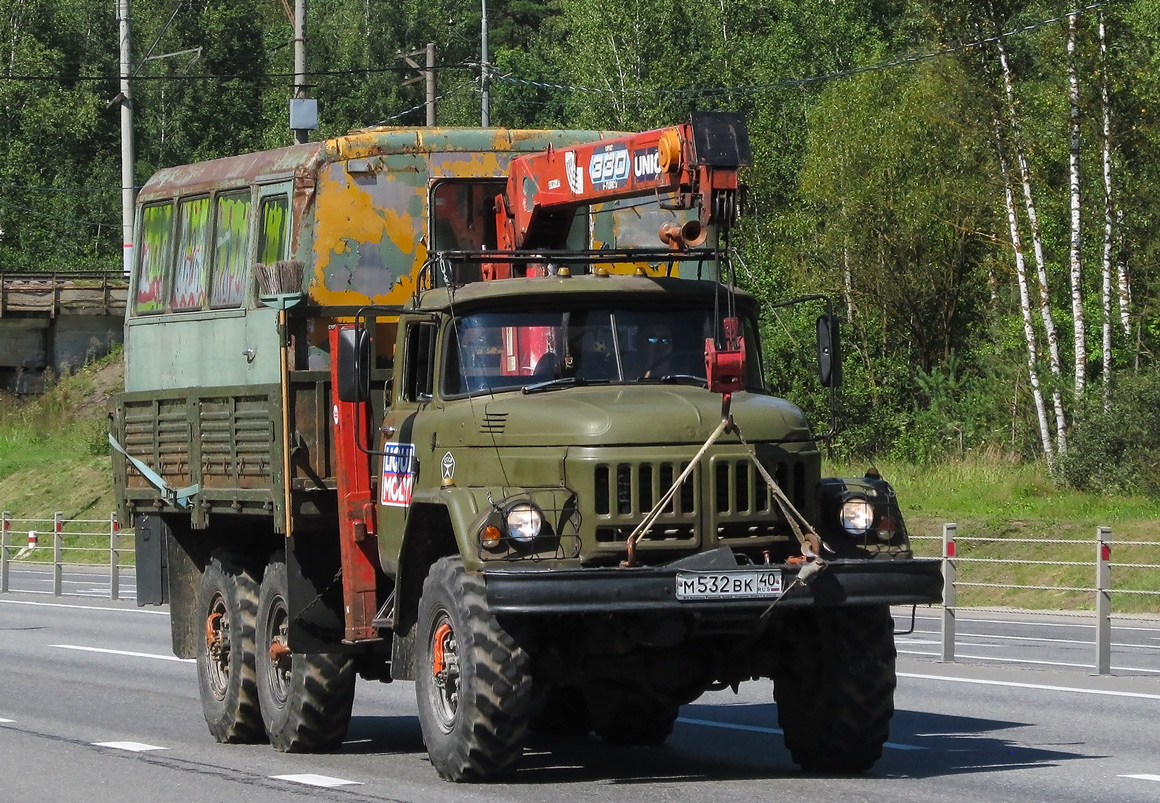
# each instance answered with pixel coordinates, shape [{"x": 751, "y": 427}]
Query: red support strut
[{"x": 358, "y": 542}]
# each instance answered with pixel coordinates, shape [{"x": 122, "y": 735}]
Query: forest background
[{"x": 974, "y": 183}]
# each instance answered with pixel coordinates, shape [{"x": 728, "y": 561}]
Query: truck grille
[
  {"x": 742, "y": 504},
  {"x": 723, "y": 500},
  {"x": 625, "y": 492}
]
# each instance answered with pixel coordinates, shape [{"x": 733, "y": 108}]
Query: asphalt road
[{"x": 95, "y": 708}]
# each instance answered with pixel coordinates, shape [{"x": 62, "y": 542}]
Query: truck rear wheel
[
  {"x": 227, "y": 603},
  {"x": 306, "y": 698},
  {"x": 473, "y": 683},
  {"x": 834, "y": 686}
]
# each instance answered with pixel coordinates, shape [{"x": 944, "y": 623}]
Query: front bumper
[{"x": 536, "y": 592}]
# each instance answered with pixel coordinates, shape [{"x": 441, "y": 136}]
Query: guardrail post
[
  {"x": 950, "y": 530},
  {"x": 114, "y": 556},
  {"x": 57, "y": 552},
  {"x": 1103, "y": 600},
  {"x": 7, "y": 523}
]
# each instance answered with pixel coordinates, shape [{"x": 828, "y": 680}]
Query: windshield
[{"x": 494, "y": 351}]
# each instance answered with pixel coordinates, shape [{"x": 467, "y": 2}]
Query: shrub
[{"x": 1118, "y": 448}]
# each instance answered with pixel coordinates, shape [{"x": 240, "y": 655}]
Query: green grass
[{"x": 53, "y": 448}]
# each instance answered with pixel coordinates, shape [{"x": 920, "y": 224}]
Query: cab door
[{"x": 405, "y": 458}]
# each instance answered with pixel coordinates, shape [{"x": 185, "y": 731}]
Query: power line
[
  {"x": 423, "y": 105},
  {"x": 223, "y": 76}
]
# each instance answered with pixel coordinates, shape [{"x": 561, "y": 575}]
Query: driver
[{"x": 656, "y": 347}]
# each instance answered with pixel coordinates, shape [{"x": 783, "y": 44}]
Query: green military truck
[{"x": 481, "y": 409}]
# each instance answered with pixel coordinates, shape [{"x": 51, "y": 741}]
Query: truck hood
[{"x": 619, "y": 416}]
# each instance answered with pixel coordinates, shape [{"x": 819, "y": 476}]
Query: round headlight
[
  {"x": 524, "y": 521},
  {"x": 856, "y": 516}
]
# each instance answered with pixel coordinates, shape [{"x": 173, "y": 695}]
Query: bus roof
[{"x": 282, "y": 163}]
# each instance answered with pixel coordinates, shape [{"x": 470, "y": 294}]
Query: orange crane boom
[{"x": 695, "y": 164}]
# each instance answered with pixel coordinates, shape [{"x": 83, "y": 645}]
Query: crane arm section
[{"x": 693, "y": 166}]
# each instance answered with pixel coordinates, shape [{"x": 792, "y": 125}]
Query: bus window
[
  {"x": 227, "y": 287},
  {"x": 189, "y": 288},
  {"x": 273, "y": 222},
  {"x": 462, "y": 215},
  {"x": 156, "y": 237}
]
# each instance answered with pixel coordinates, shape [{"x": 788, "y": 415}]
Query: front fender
[{"x": 472, "y": 508}]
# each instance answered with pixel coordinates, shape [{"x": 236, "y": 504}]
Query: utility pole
[
  {"x": 427, "y": 75},
  {"x": 128, "y": 183},
  {"x": 430, "y": 84},
  {"x": 303, "y": 110},
  {"x": 484, "y": 77}
]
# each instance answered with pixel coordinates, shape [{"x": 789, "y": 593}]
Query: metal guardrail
[
  {"x": 1102, "y": 591},
  {"x": 70, "y": 538}
]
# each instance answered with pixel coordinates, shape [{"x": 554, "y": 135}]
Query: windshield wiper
[
  {"x": 684, "y": 379},
  {"x": 564, "y": 382}
]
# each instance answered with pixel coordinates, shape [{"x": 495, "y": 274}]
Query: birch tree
[
  {"x": 1025, "y": 302},
  {"x": 1074, "y": 255},
  {"x": 1037, "y": 247},
  {"x": 1106, "y": 264}
]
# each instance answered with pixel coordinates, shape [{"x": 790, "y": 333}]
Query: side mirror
[
  {"x": 354, "y": 365},
  {"x": 829, "y": 351}
]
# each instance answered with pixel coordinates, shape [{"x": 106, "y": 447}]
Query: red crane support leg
[{"x": 356, "y": 510}]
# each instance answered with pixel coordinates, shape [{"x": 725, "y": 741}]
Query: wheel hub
[
  {"x": 445, "y": 669},
  {"x": 217, "y": 641}
]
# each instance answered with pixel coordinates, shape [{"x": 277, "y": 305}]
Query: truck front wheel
[
  {"x": 834, "y": 686},
  {"x": 473, "y": 683},
  {"x": 306, "y": 697},
  {"x": 227, "y": 604}
]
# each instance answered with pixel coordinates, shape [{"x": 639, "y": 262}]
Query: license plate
[{"x": 743, "y": 584}]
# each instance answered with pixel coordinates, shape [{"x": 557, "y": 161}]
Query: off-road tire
[
  {"x": 306, "y": 698},
  {"x": 475, "y": 689},
  {"x": 630, "y": 715},
  {"x": 227, "y": 605},
  {"x": 560, "y": 711},
  {"x": 834, "y": 686}
]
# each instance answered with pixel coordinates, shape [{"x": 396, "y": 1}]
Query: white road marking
[
  {"x": 1005, "y": 660},
  {"x": 135, "y": 747},
  {"x": 1036, "y": 624},
  {"x": 1142, "y": 777},
  {"x": 712, "y": 723},
  {"x": 316, "y": 780},
  {"x": 964, "y": 638},
  {"x": 6, "y": 721},
  {"x": 125, "y": 652},
  {"x": 1041, "y": 687},
  {"x": 81, "y": 607}
]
